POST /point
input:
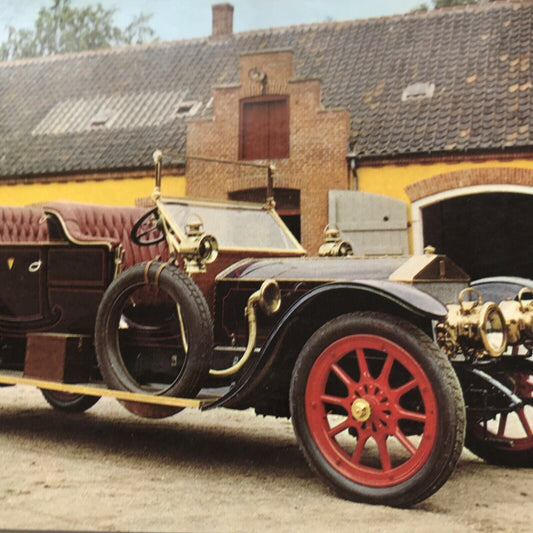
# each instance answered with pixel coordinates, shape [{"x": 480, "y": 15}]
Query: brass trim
[
  {"x": 167, "y": 220},
  {"x": 119, "y": 260},
  {"x": 465, "y": 326},
  {"x": 71, "y": 238},
  {"x": 208, "y": 202},
  {"x": 284, "y": 228},
  {"x": 518, "y": 316},
  {"x": 268, "y": 297},
  {"x": 232, "y": 204},
  {"x": 284, "y": 251},
  {"x": 361, "y": 410}
]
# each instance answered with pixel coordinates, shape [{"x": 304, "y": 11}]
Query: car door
[{"x": 22, "y": 270}]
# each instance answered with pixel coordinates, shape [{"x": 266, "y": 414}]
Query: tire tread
[{"x": 196, "y": 368}]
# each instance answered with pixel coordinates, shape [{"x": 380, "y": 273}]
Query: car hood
[{"x": 418, "y": 268}]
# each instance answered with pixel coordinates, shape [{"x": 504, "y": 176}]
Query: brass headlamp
[
  {"x": 198, "y": 248},
  {"x": 473, "y": 326},
  {"x": 334, "y": 246},
  {"x": 518, "y": 316}
]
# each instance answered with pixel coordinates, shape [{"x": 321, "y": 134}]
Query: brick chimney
[{"x": 222, "y": 22}]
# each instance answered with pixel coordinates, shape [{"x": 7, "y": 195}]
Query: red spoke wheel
[
  {"x": 377, "y": 409},
  {"x": 507, "y": 439}
]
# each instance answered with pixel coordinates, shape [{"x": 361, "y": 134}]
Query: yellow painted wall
[
  {"x": 392, "y": 180},
  {"x": 389, "y": 180},
  {"x": 109, "y": 192}
]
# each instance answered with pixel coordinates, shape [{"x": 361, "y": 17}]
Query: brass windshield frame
[{"x": 161, "y": 203}]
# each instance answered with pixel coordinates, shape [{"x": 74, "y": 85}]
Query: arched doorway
[
  {"x": 287, "y": 204},
  {"x": 486, "y": 232}
]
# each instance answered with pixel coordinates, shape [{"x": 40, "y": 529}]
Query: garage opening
[{"x": 487, "y": 234}]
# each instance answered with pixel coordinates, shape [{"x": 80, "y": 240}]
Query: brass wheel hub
[{"x": 361, "y": 410}]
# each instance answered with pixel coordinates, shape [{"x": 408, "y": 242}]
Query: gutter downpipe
[{"x": 351, "y": 158}]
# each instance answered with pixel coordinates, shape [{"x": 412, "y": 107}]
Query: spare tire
[{"x": 170, "y": 356}]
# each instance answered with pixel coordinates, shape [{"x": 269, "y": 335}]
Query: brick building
[
  {"x": 279, "y": 120},
  {"x": 405, "y": 130}
]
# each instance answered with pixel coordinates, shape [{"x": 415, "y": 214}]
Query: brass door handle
[{"x": 35, "y": 266}]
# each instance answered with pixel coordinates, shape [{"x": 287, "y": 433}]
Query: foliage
[
  {"x": 63, "y": 28},
  {"x": 437, "y": 4},
  {"x": 451, "y": 3}
]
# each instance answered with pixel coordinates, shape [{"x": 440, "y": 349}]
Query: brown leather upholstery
[
  {"x": 99, "y": 223},
  {"x": 23, "y": 224}
]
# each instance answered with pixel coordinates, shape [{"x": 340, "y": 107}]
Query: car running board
[{"x": 16, "y": 378}]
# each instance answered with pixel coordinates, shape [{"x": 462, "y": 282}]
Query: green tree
[
  {"x": 63, "y": 28},
  {"x": 437, "y": 4}
]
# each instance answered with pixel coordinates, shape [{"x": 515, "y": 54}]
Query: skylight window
[
  {"x": 118, "y": 111},
  {"x": 186, "y": 109},
  {"x": 102, "y": 117},
  {"x": 418, "y": 91}
]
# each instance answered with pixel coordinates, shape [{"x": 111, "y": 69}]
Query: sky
[{"x": 184, "y": 19}]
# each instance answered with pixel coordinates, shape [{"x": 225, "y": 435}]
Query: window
[
  {"x": 264, "y": 128},
  {"x": 102, "y": 117},
  {"x": 287, "y": 204},
  {"x": 417, "y": 91},
  {"x": 187, "y": 109}
]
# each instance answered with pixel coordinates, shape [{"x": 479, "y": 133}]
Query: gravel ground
[{"x": 216, "y": 471}]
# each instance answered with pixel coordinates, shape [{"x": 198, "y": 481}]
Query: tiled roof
[{"x": 423, "y": 83}]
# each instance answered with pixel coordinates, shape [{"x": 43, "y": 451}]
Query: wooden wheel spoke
[
  {"x": 525, "y": 423},
  {"x": 528, "y": 389},
  {"x": 359, "y": 448},
  {"x": 384, "y": 455},
  {"x": 342, "y": 375},
  {"x": 363, "y": 366},
  {"x": 502, "y": 425},
  {"x": 335, "y": 430},
  {"x": 405, "y": 388},
  {"x": 335, "y": 400},
  {"x": 384, "y": 375},
  {"x": 411, "y": 415},
  {"x": 406, "y": 443}
]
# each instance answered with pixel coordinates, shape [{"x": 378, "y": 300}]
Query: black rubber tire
[
  {"x": 69, "y": 403},
  {"x": 518, "y": 453},
  {"x": 440, "y": 456},
  {"x": 196, "y": 317}
]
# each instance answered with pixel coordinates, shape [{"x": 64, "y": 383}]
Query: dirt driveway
[{"x": 219, "y": 471}]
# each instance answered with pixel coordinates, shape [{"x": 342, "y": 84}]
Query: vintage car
[{"x": 215, "y": 304}]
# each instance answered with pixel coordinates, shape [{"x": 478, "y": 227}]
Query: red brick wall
[
  {"x": 318, "y": 140},
  {"x": 222, "y": 21},
  {"x": 460, "y": 179}
]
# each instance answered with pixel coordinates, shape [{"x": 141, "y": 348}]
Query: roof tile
[{"x": 478, "y": 58}]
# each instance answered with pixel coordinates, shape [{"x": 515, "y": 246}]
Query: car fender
[
  {"x": 397, "y": 299},
  {"x": 514, "y": 280},
  {"x": 498, "y": 288}
]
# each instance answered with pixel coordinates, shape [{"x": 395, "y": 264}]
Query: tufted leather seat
[
  {"x": 23, "y": 224},
  {"x": 99, "y": 223}
]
